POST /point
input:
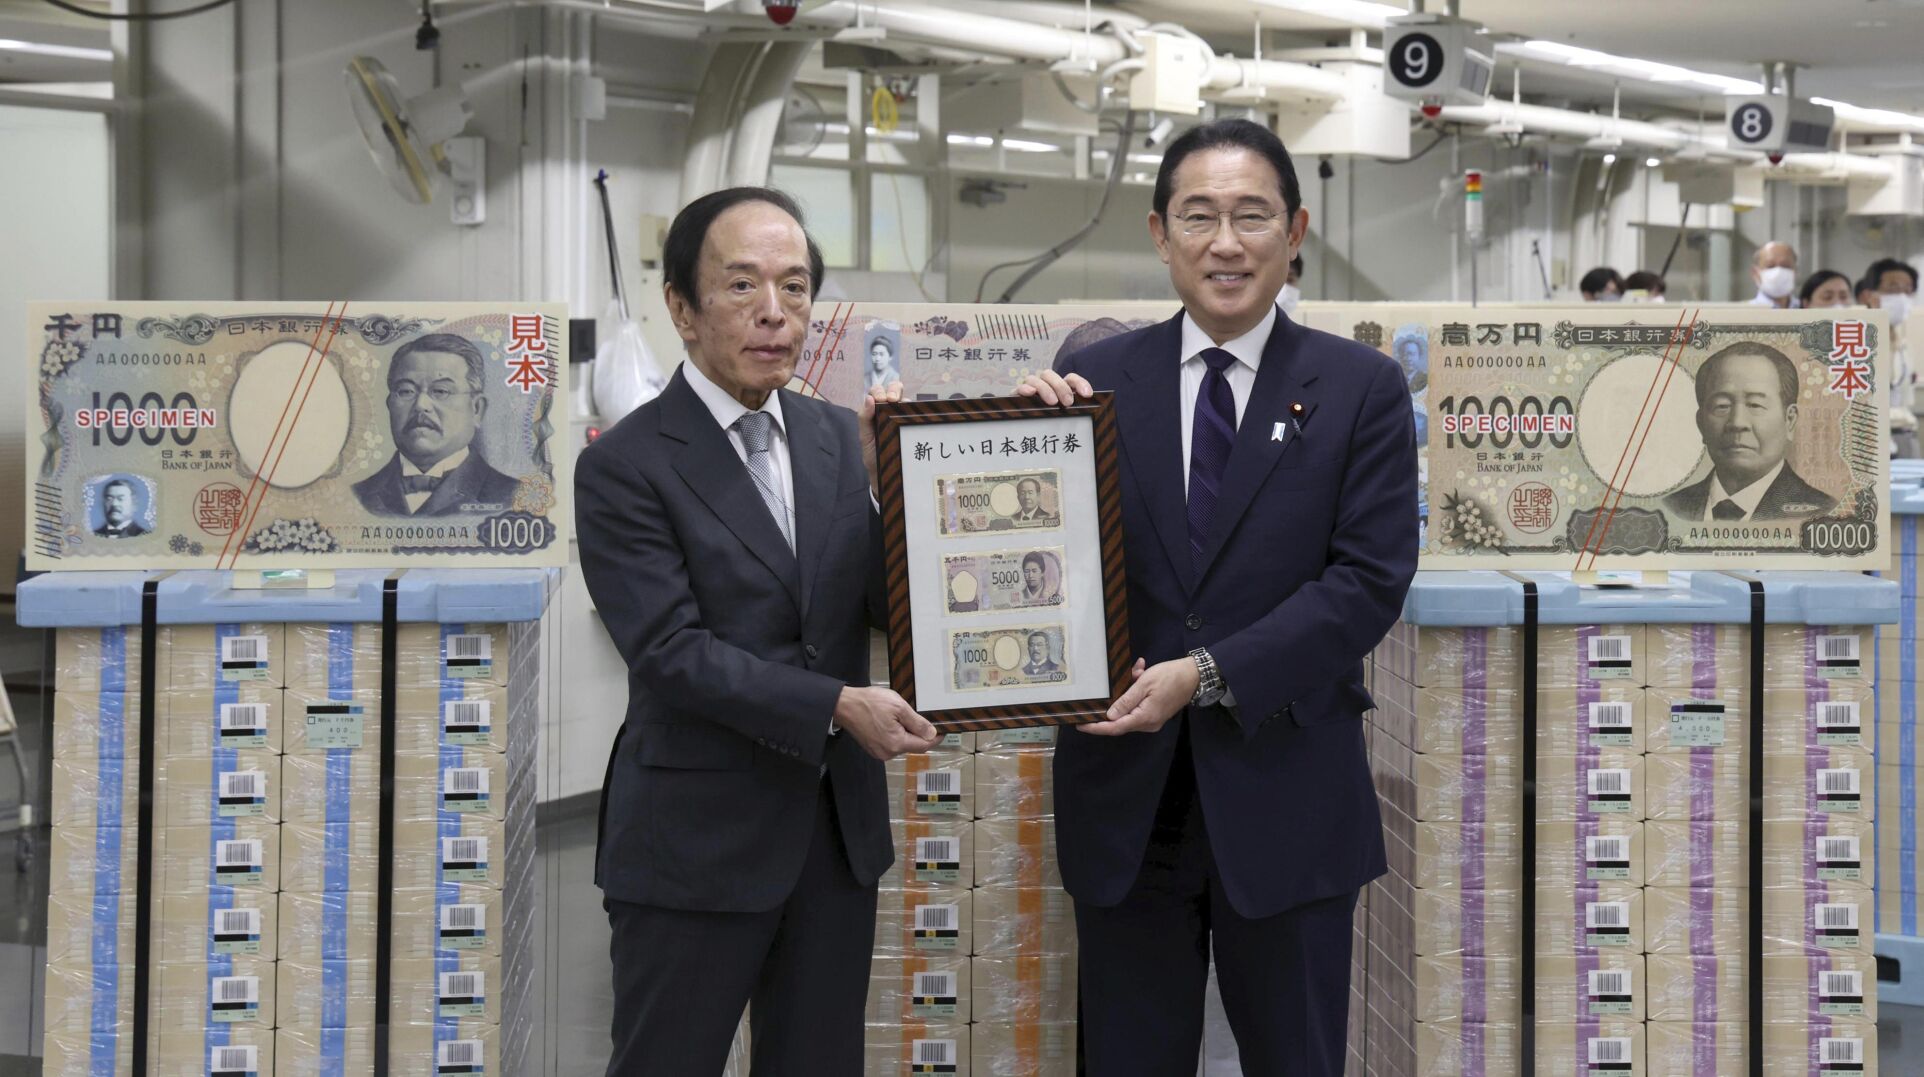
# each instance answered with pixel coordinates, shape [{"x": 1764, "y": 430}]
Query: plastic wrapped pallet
[
  {"x": 932, "y": 855},
  {"x": 1822, "y": 714},
  {"x": 922, "y": 988},
  {"x": 1696, "y": 920},
  {"x": 1705, "y": 785},
  {"x": 88, "y": 658},
  {"x": 1029, "y": 1050},
  {"x": 1018, "y": 920},
  {"x": 1572, "y": 655},
  {"x": 1605, "y": 782},
  {"x": 214, "y": 991},
  {"x": 320, "y": 721},
  {"x": 909, "y": 922},
  {"x": 1599, "y": 986},
  {"x": 1795, "y": 655},
  {"x": 1696, "y": 987},
  {"x": 1013, "y": 783},
  {"x": 1445, "y": 855},
  {"x": 413, "y": 1048},
  {"x": 216, "y": 922},
  {"x": 205, "y": 655},
  {"x": 1016, "y": 852},
  {"x": 1597, "y": 1046},
  {"x": 1692, "y": 1049},
  {"x": 1449, "y": 720},
  {"x": 1819, "y": 783},
  {"x": 1837, "y": 849},
  {"x": 1449, "y": 788},
  {"x": 916, "y": 1049},
  {"x": 1841, "y": 984},
  {"x": 1443, "y": 923},
  {"x": 1828, "y": 1047},
  {"x": 215, "y": 1051},
  {"x": 1469, "y": 656},
  {"x": 1593, "y": 917},
  {"x": 1816, "y": 920},
  {"x": 1681, "y": 853},
  {"x": 1026, "y": 989},
  {"x": 1608, "y": 849},
  {"x": 476, "y": 652},
  {"x": 466, "y": 714},
  {"x": 1696, "y": 655},
  {"x": 463, "y": 991},
  {"x": 1602, "y": 715},
  {"x": 1684, "y": 721}
]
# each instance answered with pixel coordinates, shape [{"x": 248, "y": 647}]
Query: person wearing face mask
[
  {"x": 1825, "y": 288},
  {"x": 1896, "y": 287},
  {"x": 1896, "y": 284},
  {"x": 1774, "y": 268},
  {"x": 1291, "y": 295},
  {"x": 1601, "y": 285}
]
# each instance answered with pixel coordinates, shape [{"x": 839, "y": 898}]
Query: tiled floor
[{"x": 571, "y": 1039}]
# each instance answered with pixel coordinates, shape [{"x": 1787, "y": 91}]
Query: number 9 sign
[
  {"x": 1416, "y": 60},
  {"x": 1751, "y": 123}
]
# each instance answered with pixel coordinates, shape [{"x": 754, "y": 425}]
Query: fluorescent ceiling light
[
  {"x": 1629, "y": 66},
  {"x": 971, "y": 140},
  {"x": 65, "y": 52},
  {"x": 1360, "y": 12},
  {"x": 1880, "y": 117},
  {"x": 1025, "y": 146}
]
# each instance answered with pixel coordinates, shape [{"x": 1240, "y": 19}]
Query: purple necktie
[{"x": 1211, "y": 436}]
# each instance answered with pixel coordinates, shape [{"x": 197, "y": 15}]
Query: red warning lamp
[
  {"x": 1432, "y": 107},
  {"x": 780, "y": 12}
]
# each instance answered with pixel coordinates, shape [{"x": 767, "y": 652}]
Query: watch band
[{"x": 1209, "y": 681}]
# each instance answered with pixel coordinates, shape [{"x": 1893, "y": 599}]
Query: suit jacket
[
  {"x": 474, "y": 482},
  {"x": 1787, "y": 490},
  {"x": 132, "y": 530},
  {"x": 737, "y": 650},
  {"x": 1315, "y": 545}
]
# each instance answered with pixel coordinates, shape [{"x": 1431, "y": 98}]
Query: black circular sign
[
  {"x": 1416, "y": 60},
  {"x": 1751, "y": 123}
]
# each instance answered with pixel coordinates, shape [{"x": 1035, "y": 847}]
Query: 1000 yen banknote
[
  {"x": 1009, "y": 501},
  {"x": 1007, "y": 657},
  {"x": 295, "y": 435},
  {"x": 1004, "y": 580}
]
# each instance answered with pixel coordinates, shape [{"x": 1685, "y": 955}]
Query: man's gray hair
[{"x": 449, "y": 344}]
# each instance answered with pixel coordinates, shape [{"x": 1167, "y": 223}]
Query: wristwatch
[{"x": 1209, "y": 681}]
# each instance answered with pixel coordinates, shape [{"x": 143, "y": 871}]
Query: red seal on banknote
[
  {"x": 218, "y": 507},
  {"x": 1533, "y": 508}
]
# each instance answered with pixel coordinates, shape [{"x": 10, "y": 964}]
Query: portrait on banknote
[
  {"x": 1003, "y": 560},
  {"x": 296, "y": 435}
]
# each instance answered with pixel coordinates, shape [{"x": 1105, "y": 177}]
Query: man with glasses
[
  {"x": 1269, "y": 511},
  {"x": 435, "y": 405}
]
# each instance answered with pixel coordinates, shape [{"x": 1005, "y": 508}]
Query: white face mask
[
  {"x": 1897, "y": 305},
  {"x": 1289, "y": 297},
  {"x": 1777, "y": 281}
]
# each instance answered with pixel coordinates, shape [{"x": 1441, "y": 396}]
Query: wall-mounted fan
[
  {"x": 804, "y": 124},
  {"x": 413, "y": 139}
]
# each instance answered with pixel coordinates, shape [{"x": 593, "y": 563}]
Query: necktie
[
  {"x": 756, "y": 428},
  {"x": 1212, "y": 433},
  {"x": 419, "y": 484},
  {"x": 1727, "y": 510}
]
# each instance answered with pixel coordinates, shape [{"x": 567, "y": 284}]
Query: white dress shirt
[
  {"x": 1241, "y": 375},
  {"x": 438, "y": 471},
  {"x": 1747, "y": 498},
  {"x": 726, "y": 409}
]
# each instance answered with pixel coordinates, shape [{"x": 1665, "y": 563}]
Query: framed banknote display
[{"x": 1002, "y": 535}]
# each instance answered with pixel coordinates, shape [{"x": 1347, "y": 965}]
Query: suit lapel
[
  {"x": 1256, "y": 451},
  {"x": 707, "y": 462},
  {"x": 389, "y": 498},
  {"x": 815, "y": 465},
  {"x": 1149, "y": 418},
  {"x": 452, "y": 490}
]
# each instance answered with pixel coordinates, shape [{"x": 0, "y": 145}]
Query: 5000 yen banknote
[
  {"x": 1007, "y": 657},
  {"x": 1004, "y": 580},
  {"x": 221, "y": 435},
  {"x": 1009, "y": 501},
  {"x": 1584, "y": 438}
]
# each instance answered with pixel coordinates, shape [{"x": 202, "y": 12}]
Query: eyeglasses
[
  {"x": 406, "y": 392},
  {"x": 1246, "y": 222}
]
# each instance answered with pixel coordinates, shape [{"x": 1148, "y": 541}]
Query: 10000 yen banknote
[
  {"x": 1007, "y": 657},
  {"x": 291, "y": 435},
  {"x": 1007, "y": 501},
  {"x": 1003, "y": 580},
  {"x": 1586, "y": 438}
]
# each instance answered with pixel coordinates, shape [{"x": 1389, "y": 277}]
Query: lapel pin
[{"x": 1277, "y": 434}]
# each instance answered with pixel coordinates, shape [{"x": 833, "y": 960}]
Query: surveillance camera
[{"x": 1159, "y": 133}]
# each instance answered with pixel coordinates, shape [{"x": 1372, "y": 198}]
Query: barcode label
[
  {"x": 238, "y": 922},
  {"x": 1841, "y": 985},
  {"x": 1836, "y": 917},
  {"x": 1837, "y": 850},
  {"x": 463, "y": 917},
  {"x": 1605, "y": 983},
  {"x": 464, "y": 850},
  {"x": 1836, "y": 715},
  {"x": 226, "y": 1060},
  {"x": 933, "y": 1052},
  {"x": 1609, "y": 648},
  {"x": 1607, "y": 914},
  {"x": 936, "y": 917},
  {"x": 477, "y": 648},
  {"x": 243, "y": 716},
  {"x": 1606, "y": 849},
  {"x": 461, "y": 985},
  {"x": 238, "y": 854},
  {"x": 1839, "y": 782},
  {"x": 465, "y": 781},
  {"x": 1837, "y": 648},
  {"x": 459, "y": 1053},
  {"x": 936, "y": 851},
  {"x": 243, "y": 785},
  {"x": 938, "y": 782},
  {"x": 1840, "y": 1051},
  {"x": 1609, "y": 1049},
  {"x": 237, "y": 989},
  {"x": 935, "y": 985},
  {"x": 243, "y": 649},
  {"x": 1609, "y": 783},
  {"x": 468, "y": 714},
  {"x": 1610, "y": 715}
]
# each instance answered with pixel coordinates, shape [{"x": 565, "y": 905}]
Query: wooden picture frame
[{"x": 917, "y": 558}]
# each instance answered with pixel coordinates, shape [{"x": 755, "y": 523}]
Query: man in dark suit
[
  {"x": 435, "y": 404},
  {"x": 1028, "y": 496},
  {"x": 1747, "y": 415},
  {"x": 1269, "y": 513},
  {"x": 117, "y": 511},
  {"x": 731, "y": 546},
  {"x": 1040, "y": 664}
]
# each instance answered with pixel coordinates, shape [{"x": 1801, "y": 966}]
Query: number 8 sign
[{"x": 1751, "y": 122}]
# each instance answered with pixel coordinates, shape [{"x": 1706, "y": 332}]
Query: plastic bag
[{"x": 625, "y": 374}]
